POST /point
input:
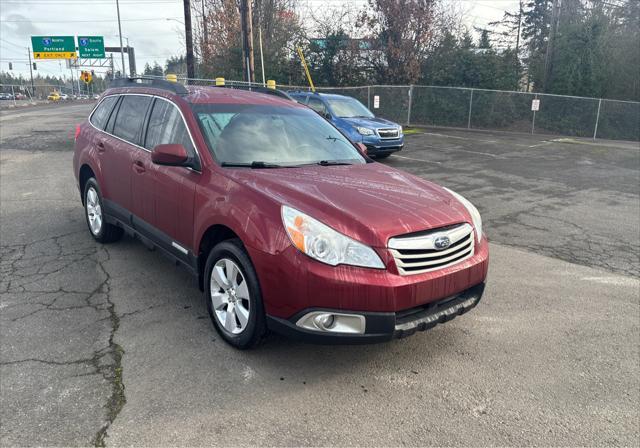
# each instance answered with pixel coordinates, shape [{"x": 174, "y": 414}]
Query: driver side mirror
[
  {"x": 172, "y": 154},
  {"x": 362, "y": 148}
]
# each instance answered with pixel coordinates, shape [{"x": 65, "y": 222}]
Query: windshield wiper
[
  {"x": 254, "y": 164},
  {"x": 332, "y": 163}
]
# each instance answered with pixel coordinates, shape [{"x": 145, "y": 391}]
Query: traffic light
[
  {"x": 10, "y": 66},
  {"x": 34, "y": 66}
]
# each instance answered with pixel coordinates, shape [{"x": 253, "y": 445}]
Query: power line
[
  {"x": 101, "y": 2},
  {"x": 87, "y": 21},
  {"x": 22, "y": 47}
]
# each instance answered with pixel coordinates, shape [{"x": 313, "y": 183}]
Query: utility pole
[
  {"x": 205, "y": 31},
  {"x": 247, "y": 40},
  {"x": 124, "y": 70},
  {"x": 191, "y": 72},
  {"x": 33, "y": 89},
  {"x": 72, "y": 82}
]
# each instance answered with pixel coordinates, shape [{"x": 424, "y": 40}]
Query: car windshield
[
  {"x": 269, "y": 137},
  {"x": 348, "y": 108}
]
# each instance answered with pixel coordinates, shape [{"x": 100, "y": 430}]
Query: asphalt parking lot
[{"x": 112, "y": 344}]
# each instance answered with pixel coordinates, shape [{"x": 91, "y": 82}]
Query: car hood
[
  {"x": 370, "y": 202},
  {"x": 373, "y": 123}
]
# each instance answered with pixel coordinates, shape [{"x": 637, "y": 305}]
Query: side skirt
[{"x": 151, "y": 237}]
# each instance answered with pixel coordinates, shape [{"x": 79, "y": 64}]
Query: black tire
[
  {"x": 108, "y": 233},
  {"x": 256, "y": 327},
  {"x": 382, "y": 156}
]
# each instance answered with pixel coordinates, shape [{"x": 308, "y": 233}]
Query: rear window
[
  {"x": 131, "y": 117},
  {"x": 101, "y": 114}
]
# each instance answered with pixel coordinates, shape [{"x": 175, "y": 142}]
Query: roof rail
[
  {"x": 261, "y": 89},
  {"x": 141, "y": 81},
  {"x": 302, "y": 91}
]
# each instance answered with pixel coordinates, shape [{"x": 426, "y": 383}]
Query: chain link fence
[
  {"x": 501, "y": 110},
  {"x": 461, "y": 107}
]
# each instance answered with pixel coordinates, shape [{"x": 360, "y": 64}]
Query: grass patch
[{"x": 410, "y": 131}]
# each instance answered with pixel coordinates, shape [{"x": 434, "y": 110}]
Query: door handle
[
  {"x": 100, "y": 146},
  {"x": 138, "y": 167}
]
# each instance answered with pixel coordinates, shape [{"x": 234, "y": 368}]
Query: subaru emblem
[{"x": 442, "y": 242}]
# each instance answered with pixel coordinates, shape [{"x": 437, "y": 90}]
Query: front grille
[
  {"x": 388, "y": 133},
  {"x": 417, "y": 253}
]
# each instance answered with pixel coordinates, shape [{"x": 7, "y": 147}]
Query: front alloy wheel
[
  {"x": 230, "y": 297},
  {"x": 234, "y": 298}
]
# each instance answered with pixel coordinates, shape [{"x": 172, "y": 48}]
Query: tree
[
  {"x": 334, "y": 55},
  {"x": 156, "y": 70},
  {"x": 176, "y": 65},
  {"x": 222, "y": 51},
  {"x": 535, "y": 33},
  {"x": 400, "y": 32}
]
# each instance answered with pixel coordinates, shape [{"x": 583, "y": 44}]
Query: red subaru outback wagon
[{"x": 287, "y": 224}]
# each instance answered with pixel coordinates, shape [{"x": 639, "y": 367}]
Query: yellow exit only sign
[{"x": 54, "y": 55}]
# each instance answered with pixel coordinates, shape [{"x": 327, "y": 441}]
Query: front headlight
[
  {"x": 364, "y": 131},
  {"x": 473, "y": 211},
  {"x": 324, "y": 244},
  {"x": 400, "y": 129}
]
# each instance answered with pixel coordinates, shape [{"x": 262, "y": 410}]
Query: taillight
[{"x": 77, "y": 131}]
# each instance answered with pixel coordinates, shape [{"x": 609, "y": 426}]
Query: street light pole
[{"x": 124, "y": 70}]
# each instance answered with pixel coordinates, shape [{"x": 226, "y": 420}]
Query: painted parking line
[
  {"x": 460, "y": 138},
  {"x": 488, "y": 154},
  {"x": 417, "y": 160}
]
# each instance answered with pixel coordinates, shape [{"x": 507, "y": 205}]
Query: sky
[{"x": 154, "y": 27}]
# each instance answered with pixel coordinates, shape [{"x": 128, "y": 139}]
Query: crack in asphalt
[{"x": 27, "y": 266}]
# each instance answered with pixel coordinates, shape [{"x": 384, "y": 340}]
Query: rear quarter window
[{"x": 101, "y": 114}]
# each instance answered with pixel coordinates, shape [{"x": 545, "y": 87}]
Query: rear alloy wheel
[
  {"x": 100, "y": 229},
  {"x": 94, "y": 211},
  {"x": 233, "y": 295}
]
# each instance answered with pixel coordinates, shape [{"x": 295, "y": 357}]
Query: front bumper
[
  {"x": 382, "y": 327},
  {"x": 378, "y": 146}
]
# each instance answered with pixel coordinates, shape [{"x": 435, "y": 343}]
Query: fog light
[{"x": 323, "y": 321}]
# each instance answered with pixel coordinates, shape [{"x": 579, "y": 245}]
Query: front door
[{"x": 169, "y": 190}]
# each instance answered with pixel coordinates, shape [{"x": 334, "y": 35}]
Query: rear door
[
  {"x": 172, "y": 187},
  {"x": 125, "y": 125}
]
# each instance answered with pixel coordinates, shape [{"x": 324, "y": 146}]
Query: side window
[
  {"x": 101, "y": 114},
  {"x": 130, "y": 119},
  {"x": 317, "y": 105},
  {"x": 299, "y": 98},
  {"x": 167, "y": 126},
  {"x": 109, "y": 127}
]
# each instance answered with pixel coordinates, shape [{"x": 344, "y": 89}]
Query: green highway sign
[
  {"x": 53, "y": 47},
  {"x": 91, "y": 47}
]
